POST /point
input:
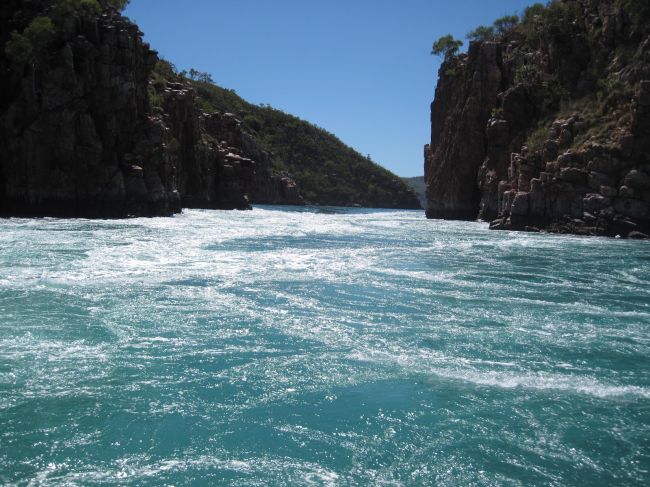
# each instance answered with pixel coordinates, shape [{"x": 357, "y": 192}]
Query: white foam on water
[{"x": 219, "y": 316}]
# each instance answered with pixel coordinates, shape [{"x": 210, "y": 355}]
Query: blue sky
[{"x": 361, "y": 69}]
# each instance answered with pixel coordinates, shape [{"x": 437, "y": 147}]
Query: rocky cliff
[
  {"x": 219, "y": 164},
  {"x": 78, "y": 134},
  {"x": 546, "y": 126},
  {"x": 327, "y": 171}
]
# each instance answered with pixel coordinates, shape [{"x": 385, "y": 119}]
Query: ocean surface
[{"x": 320, "y": 347}]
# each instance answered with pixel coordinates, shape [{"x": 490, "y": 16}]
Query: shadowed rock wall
[{"x": 79, "y": 138}]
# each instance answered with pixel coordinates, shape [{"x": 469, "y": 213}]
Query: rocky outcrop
[
  {"x": 548, "y": 128},
  {"x": 79, "y": 137},
  {"x": 205, "y": 150},
  {"x": 593, "y": 190},
  {"x": 76, "y": 138},
  {"x": 327, "y": 171},
  {"x": 466, "y": 93},
  {"x": 270, "y": 186}
]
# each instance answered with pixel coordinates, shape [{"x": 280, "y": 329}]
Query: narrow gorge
[{"x": 86, "y": 132}]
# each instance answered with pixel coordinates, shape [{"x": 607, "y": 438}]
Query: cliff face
[
  {"x": 466, "y": 93},
  {"x": 72, "y": 118},
  {"x": 219, "y": 164},
  {"x": 547, "y": 127},
  {"x": 326, "y": 170},
  {"x": 78, "y": 136}
]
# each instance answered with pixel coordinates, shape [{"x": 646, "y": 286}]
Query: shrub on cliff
[
  {"x": 639, "y": 10},
  {"x": 501, "y": 27},
  {"x": 481, "y": 33},
  {"x": 32, "y": 43},
  {"x": 505, "y": 24},
  {"x": 119, "y": 4},
  {"x": 28, "y": 46},
  {"x": 446, "y": 46},
  {"x": 202, "y": 76},
  {"x": 68, "y": 7},
  {"x": 18, "y": 49},
  {"x": 533, "y": 13},
  {"x": 89, "y": 6},
  {"x": 543, "y": 22},
  {"x": 164, "y": 71}
]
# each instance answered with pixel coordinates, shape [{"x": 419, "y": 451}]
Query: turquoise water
[{"x": 279, "y": 347}]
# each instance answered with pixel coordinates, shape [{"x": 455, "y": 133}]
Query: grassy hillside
[{"x": 327, "y": 171}]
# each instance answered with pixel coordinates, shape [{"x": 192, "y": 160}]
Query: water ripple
[{"x": 320, "y": 347}]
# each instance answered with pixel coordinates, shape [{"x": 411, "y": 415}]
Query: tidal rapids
[{"x": 320, "y": 347}]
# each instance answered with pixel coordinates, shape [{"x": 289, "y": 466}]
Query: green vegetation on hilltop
[
  {"x": 579, "y": 81},
  {"x": 32, "y": 43},
  {"x": 25, "y": 47},
  {"x": 446, "y": 46},
  {"x": 536, "y": 21},
  {"x": 563, "y": 66},
  {"x": 326, "y": 170}
]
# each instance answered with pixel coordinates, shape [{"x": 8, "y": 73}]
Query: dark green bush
[
  {"x": 165, "y": 69},
  {"x": 90, "y": 6},
  {"x": 119, "y": 4},
  {"x": 481, "y": 33},
  {"x": 551, "y": 93},
  {"x": 638, "y": 10},
  {"x": 532, "y": 14},
  {"x": 155, "y": 99},
  {"x": 40, "y": 33},
  {"x": 496, "y": 113},
  {"x": 539, "y": 22},
  {"x": 68, "y": 7},
  {"x": 446, "y": 46},
  {"x": 505, "y": 24},
  {"x": 19, "y": 49},
  {"x": 32, "y": 43},
  {"x": 527, "y": 75},
  {"x": 498, "y": 29}
]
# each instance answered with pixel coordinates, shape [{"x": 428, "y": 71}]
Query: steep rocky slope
[
  {"x": 327, "y": 171},
  {"x": 71, "y": 113},
  {"x": 89, "y": 128},
  {"x": 78, "y": 135},
  {"x": 219, "y": 164},
  {"x": 547, "y": 126}
]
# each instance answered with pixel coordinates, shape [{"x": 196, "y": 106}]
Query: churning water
[{"x": 305, "y": 347}]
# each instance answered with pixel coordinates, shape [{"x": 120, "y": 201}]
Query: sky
[{"x": 361, "y": 69}]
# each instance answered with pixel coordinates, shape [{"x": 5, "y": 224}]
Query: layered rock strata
[
  {"x": 466, "y": 93},
  {"x": 78, "y": 136},
  {"x": 551, "y": 133}
]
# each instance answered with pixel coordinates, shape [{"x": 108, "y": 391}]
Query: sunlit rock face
[
  {"x": 466, "y": 93},
  {"x": 548, "y": 127}
]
